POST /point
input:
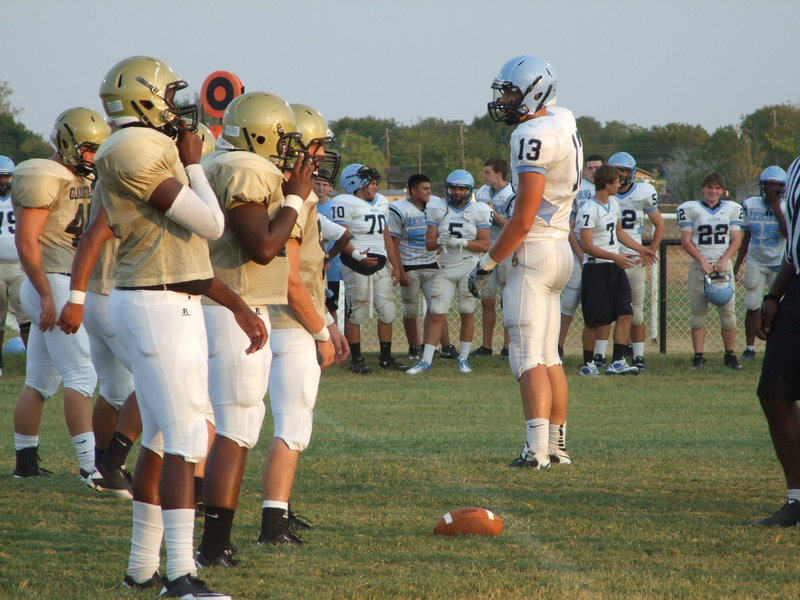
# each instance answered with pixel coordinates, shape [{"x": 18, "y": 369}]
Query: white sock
[
  {"x": 638, "y": 349},
  {"x": 146, "y": 534},
  {"x": 538, "y": 435},
  {"x": 793, "y": 494},
  {"x": 84, "y": 448},
  {"x": 600, "y": 347},
  {"x": 557, "y": 438},
  {"x": 751, "y": 348},
  {"x": 275, "y": 504},
  {"x": 178, "y": 535},
  {"x": 427, "y": 353},
  {"x": 463, "y": 349},
  {"x": 25, "y": 441}
]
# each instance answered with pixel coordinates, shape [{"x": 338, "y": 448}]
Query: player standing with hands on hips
[{"x": 546, "y": 157}]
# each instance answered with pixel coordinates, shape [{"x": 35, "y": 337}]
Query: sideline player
[
  {"x": 250, "y": 259},
  {"x": 779, "y": 386},
  {"x": 498, "y": 195},
  {"x": 763, "y": 243},
  {"x": 636, "y": 199},
  {"x": 52, "y": 199},
  {"x": 711, "y": 235},
  {"x": 571, "y": 294},
  {"x": 460, "y": 228},
  {"x": 11, "y": 273},
  {"x": 161, "y": 207},
  {"x": 546, "y": 156},
  {"x": 363, "y": 212}
]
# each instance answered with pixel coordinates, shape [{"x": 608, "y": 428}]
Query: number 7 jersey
[
  {"x": 549, "y": 145},
  {"x": 366, "y": 220}
]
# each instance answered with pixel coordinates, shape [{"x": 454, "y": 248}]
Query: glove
[
  {"x": 477, "y": 279},
  {"x": 456, "y": 242},
  {"x": 442, "y": 239}
]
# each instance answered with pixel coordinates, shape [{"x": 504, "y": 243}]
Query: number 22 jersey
[{"x": 710, "y": 227}]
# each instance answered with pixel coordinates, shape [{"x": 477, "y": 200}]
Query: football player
[
  {"x": 711, "y": 234},
  {"x": 160, "y": 205},
  {"x": 363, "y": 212},
  {"x": 11, "y": 273},
  {"x": 461, "y": 229},
  {"x": 498, "y": 194},
  {"x": 52, "y": 199},
  {"x": 546, "y": 155},
  {"x": 636, "y": 199},
  {"x": 299, "y": 331},
  {"x": 571, "y": 294},
  {"x": 763, "y": 243},
  {"x": 257, "y": 128},
  {"x": 417, "y": 265}
]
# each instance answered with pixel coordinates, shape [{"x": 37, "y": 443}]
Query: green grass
[{"x": 669, "y": 469}]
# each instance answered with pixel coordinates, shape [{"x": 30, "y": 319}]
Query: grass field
[{"x": 669, "y": 469}]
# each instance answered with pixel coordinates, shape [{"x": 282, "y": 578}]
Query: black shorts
[
  {"x": 605, "y": 294},
  {"x": 332, "y": 302},
  {"x": 780, "y": 371}
]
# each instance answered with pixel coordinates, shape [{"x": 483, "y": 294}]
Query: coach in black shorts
[{"x": 779, "y": 387}]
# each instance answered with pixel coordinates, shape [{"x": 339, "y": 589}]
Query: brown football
[{"x": 469, "y": 520}]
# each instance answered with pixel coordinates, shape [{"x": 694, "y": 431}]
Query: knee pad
[
  {"x": 727, "y": 315},
  {"x": 187, "y": 438},
  {"x": 638, "y": 315},
  {"x": 698, "y": 319},
  {"x": 293, "y": 415},
  {"x": 240, "y": 423},
  {"x": 354, "y": 311}
]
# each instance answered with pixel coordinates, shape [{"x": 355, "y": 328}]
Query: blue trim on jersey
[
  {"x": 628, "y": 193},
  {"x": 531, "y": 169},
  {"x": 649, "y": 210},
  {"x": 713, "y": 211},
  {"x": 546, "y": 211},
  {"x": 607, "y": 205},
  {"x": 482, "y": 227}
]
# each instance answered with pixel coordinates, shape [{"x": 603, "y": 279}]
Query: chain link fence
[{"x": 678, "y": 333}]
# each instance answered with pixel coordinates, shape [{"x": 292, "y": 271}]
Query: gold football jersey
[
  {"x": 239, "y": 178},
  {"x": 312, "y": 261},
  {"x": 104, "y": 274},
  {"x": 153, "y": 249},
  {"x": 47, "y": 184}
]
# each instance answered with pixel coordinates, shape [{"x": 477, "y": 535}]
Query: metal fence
[{"x": 669, "y": 332}]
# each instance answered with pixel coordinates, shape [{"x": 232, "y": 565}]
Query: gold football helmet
[
  {"x": 143, "y": 89},
  {"x": 315, "y": 134},
  {"x": 77, "y": 134},
  {"x": 260, "y": 123},
  {"x": 209, "y": 141}
]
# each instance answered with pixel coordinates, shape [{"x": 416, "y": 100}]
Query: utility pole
[
  {"x": 461, "y": 134},
  {"x": 388, "y": 153},
  {"x": 419, "y": 156}
]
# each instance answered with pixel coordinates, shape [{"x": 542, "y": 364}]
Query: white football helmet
[
  {"x": 76, "y": 136},
  {"x": 773, "y": 175},
  {"x": 623, "y": 160},
  {"x": 6, "y": 171},
  {"x": 524, "y": 85},
  {"x": 356, "y": 176},
  {"x": 461, "y": 179}
]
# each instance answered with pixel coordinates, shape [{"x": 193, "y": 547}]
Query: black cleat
[
  {"x": 448, "y": 351},
  {"x": 787, "y": 516},
  {"x": 732, "y": 362},
  {"x": 482, "y": 351},
  {"x": 390, "y": 364},
  {"x": 748, "y": 354},
  {"x": 698, "y": 361},
  {"x": 156, "y": 581},
  {"x": 283, "y": 538},
  {"x": 28, "y": 464},
  {"x": 600, "y": 361},
  {"x": 298, "y": 522},
  {"x": 527, "y": 460},
  {"x": 504, "y": 353},
  {"x": 190, "y": 587},
  {"x": 223, "y": 559},
  {"x": 414, "y": 352},
  {"x": 358, "y": 365},
  {"x": 639, "y": 363},
  {"x": 117, "y": 482}
]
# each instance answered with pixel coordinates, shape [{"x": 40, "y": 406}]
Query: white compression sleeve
[{"x": 196, "y": 207}]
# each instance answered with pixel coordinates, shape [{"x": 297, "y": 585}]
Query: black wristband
[{"x": 771, "y": 297}]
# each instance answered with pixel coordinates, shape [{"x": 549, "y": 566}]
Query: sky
[{"x": 644, "y": 62}]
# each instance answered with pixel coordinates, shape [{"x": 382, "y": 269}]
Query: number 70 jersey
[
  {"x": 366, "y": 220},
  {"x": 549, "y": 145}
]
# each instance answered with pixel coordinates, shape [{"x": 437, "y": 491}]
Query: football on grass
[{"x": 469, "y": 520}]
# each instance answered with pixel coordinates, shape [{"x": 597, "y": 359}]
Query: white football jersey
[
  {"x": 8, "y": 249},
  {"x": 602, "y": 220},
  {"x": 331, "y": 232},
  {"x": 366, "y": 220},
  {"x": 500, "y": 200},
  {"x": 767, "y": 243},
  {"x": 549, "y": 145},
  {"x": 408, "y": 223},
  {"x": 711, "y": 228},
  {"x": 458, "y": 222},
  {"x": 640, "y": 199}
]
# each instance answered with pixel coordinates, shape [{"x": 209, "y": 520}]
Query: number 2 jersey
[
  {"x": 641, "y": 199},
  {"x": 459, "y": 223},
  {"x": 767, "y": 243},
  {"x": 366, "y": 220},
  {"x": 549, "y": 145},
  {"x": 47, "y": 184},
  {"x": 711, "y": 227}
]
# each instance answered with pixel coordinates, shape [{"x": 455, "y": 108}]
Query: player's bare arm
[
  {"x": 648, "y": 254},
  {"x": 659, "y": 227},
  {"x": 587, "y": 244},
  {"x": 340, "y": 245},
  {"x": 303, "y": 307},
  {"x": 733, "y": 248},
  {"x": 250, "y": 323},
  {"x": 481, "y": 243},
  {"x": 402, "y": 276},
  {"x": 394, "y": 261},
  {"x": 83, "y": 263},
  {"x": 432, "y": 238},
  {"x": 574, "y": 242},
  {"x": 30, "y": 225},
  {"x": 742, "y": 253}
]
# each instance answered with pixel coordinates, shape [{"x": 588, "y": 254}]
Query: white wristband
[
  {"x": 486, "y": 263},
  {"x": 356, "y": 255},
  {"x": 77, "y": 297},
  {"x": 293, "y": 201},
  {"x": 329, "y": 320},
  {"x": 323, "y": 335}
]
